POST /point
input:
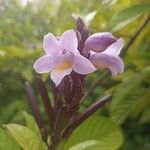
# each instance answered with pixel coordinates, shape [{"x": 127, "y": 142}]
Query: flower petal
[
  {"x": 68, "y": 41},
  {"x": 57, "y": 75},
  {"x": 82, "y": 65},
  {"x": 67, "y": 57},
  {"x": 113, "y": 63},
  {"x": 45, "y": 64},
  {"x": 99, "y": 41},
  {"x": 115, "y": 48},
  {"x": 50, "y": 44}
]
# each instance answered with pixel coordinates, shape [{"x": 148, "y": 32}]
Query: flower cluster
[
  {"x": 68, "y": 59},
  {"x": 62, "y": 56}
]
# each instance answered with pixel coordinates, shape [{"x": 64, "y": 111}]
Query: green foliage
[
  {"x": 16, "y": 68},
  {"x": 6, "y": 142},
  {"x": 31, "y": 124},
  {"x": 127, "y": 16},
  {"x": 12, "y": 112},
  {"x": 25, "y": 137},
  {"x": 96, "y": 132},
  {"x": 145, "y": 118},
  {"x": 124, "y": 101}
]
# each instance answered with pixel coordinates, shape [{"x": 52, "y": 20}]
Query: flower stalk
[
  {"x": 87, "y": 113},
  {"x": 36, "y": 112},
  {"x": 46, "y": 102}
]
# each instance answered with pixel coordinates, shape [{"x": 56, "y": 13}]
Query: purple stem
[
  {"x": 68, "y": 89},
  {"x": 46, "y": 101},
  {"x": 78, "y": 92},
  {"x": 35, "y": 110},
  {"x": 61, "y": 120},
  {"x": 81, "y": 118},
  {"x": 57, "y": 96}
]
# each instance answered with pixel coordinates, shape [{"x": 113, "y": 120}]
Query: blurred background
[{"x": 23, "y": 23}]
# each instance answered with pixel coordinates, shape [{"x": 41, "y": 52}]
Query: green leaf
[
  {"x": 127, "y": 95},
  {"x": 25, "y": 137},
  {"x": 95, "y": 133},
  {"x": 85, "y": 145},
  {"x": 145, "y": 117},
  {"x": 6, "y": 142},
  {"x": 31, "y": 124},
  {"x": 127, "y": 16},
  {"x": 109, "y": 2}
]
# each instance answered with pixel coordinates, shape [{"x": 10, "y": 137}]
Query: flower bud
[{"x": 99, "y": 42}]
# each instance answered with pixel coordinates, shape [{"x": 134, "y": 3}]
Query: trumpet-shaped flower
[
  {"x": 104, "y": 51},
  {"x": 62, "y": 57}
]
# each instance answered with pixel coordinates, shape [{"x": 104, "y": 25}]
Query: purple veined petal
[
  {"x": 82, "y": 65},
  {"x": 115, "y": 48},
  {"x": 45, "y": 64},
  {"x": 113, "y": 63},
  {"x": 98, "y": 42},
  {"x": 57, "y": 75},
  {"x": 51, "y": 44},
  {"x": 68, "y": 41}
]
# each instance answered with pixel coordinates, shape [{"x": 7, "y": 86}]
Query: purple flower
[
  {"x": 62, "y": 57},
  {"x": 99, "y": 41},
  {"x": 104, "y": 51}
]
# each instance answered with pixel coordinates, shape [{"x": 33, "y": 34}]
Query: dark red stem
[
  {"x": 60, "y": 123},
  {"x": 35, "y": 110},
  {"x": 82, "y": 117},
  {"x": 46, "y": 101},
  {"x": 57, "y": 97}
]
